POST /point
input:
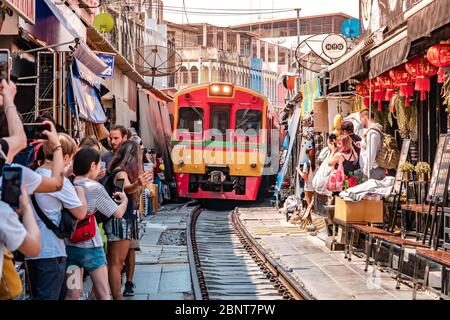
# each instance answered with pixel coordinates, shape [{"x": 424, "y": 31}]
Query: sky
[{"x": 309, "y": 7}]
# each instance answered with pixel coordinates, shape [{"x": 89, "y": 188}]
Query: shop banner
[{"x": 109, "y": 60}]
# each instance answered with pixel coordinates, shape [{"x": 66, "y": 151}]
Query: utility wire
[{"x": 185, "y": 12}]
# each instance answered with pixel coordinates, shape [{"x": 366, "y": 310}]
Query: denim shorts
[{"x": 89, "y": 259}]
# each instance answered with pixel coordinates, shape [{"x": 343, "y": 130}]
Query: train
[{"x": 223, "y": 142}]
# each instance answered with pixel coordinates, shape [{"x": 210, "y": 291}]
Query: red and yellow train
[{"x": 222, "y": 142}]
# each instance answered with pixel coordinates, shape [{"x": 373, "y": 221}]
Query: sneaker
[{"x": 128, "y": 292}]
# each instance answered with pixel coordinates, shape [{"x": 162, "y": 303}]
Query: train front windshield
[
  {"x": 249, "y": 120},
  {"x": 191, "y": 119}
]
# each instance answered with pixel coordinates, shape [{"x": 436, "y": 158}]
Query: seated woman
[{"x": 347, "y": 155}]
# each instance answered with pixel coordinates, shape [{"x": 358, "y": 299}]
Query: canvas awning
[
  {"x": 347, "y": 68},
  {"x": 426, "y": 20},
  {"x": 100, "y": 43},
  {"x": 391, "y": 54}
]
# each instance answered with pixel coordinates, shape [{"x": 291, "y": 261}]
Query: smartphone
[
  {"x": 12, "y": 180},
  {"x": 4, "y": 64},
  {"x": 118, "y": 187},
  {"x": 103, "y": 165},
  {"x": 34, "y": 131}
]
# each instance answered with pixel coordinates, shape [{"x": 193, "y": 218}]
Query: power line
[{"x": 224, "y": 13}]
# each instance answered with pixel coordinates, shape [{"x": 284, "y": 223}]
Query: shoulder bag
[
  {"x": 10, "y": 284},
  {"x": 336, "y": 180}
]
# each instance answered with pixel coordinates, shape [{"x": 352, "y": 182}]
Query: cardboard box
[
  {"x": 365, "y": 211},
  {"x": 320, "y": 116}
]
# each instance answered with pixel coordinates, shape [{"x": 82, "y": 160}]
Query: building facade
[{"x": 212, "y": 53}]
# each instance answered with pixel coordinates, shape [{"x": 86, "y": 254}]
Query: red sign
[{"x": 24, "y": 8}]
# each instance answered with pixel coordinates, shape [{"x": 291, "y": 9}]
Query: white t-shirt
[
  {"x": 51, "y": 204},
  {"x": 12, "y": 232}
]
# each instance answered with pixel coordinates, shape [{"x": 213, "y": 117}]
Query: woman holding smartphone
[
  {"x": 89, "y": 254},
  {"x": 127, "y": 165}
]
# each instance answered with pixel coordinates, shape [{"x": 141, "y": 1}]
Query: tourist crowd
[{"x": 79, "y": 208}]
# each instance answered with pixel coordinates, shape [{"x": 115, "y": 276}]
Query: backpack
[
  {"x": 67, "y": 225},
  {"x": 26, "y": 156},
  {"x": 388, "y": 156}
]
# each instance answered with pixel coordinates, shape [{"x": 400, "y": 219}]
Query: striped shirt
[{"x": 97, "y": 200}]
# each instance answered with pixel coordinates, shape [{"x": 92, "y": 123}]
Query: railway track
[{"x": 226, "y": 264}]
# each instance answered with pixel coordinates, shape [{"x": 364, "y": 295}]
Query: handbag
[
  {"x": 10, "y": 284},
  {"x": 85, "y": 229},
  {"x": 336, "y": 180}
]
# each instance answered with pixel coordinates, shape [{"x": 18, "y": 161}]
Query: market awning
[
  {"x": 100, "y": 43},
  {"x": 392, "y": 53},
  {"x": 350, "y": 65},
  {"x": 426, "y": 20}
]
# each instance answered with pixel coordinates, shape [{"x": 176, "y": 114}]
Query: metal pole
[{"x": 298, "y": 43}]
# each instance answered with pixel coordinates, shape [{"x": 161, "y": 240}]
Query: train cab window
[
  {"x": 220, "y": 120},
  {"x": 249, "y": 120},
  {"x": 191, "y": 119}
]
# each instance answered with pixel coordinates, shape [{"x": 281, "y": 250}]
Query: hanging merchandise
[
  {"x": 379, "y": 93},
  {"x": 406, "y": 117},
  {"x": 421, "y": 70},
  {"x": 404, "y": 81},
  {"x": 386, "y": 82},
  {"x": 439, "y": 56}
]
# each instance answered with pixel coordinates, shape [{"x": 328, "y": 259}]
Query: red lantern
[
  {"x": 421, "y": 69},
  {"x": 379, "y": 93},
  {"x": 388, "y": 84},
  {"x": 363, "y": 91},
  {"x": 404, "y": 82},
  {"x": 439, "y": 56}
]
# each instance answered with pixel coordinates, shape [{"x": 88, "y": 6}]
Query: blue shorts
[{"x": 89, "y": 259}]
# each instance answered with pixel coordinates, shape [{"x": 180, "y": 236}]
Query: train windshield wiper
[
  {"x": 197, "y": 112},
  {"x": 243, "y": 120}
]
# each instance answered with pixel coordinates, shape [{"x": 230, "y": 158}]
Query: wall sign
[
  {"x": 334, "y": 46},
  {"x": 109, "y": 60}
]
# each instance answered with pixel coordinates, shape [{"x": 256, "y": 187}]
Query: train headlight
[
  {"x": 221, "y": 90},
  {"x": 253, "y": 165},
  {"x": 226, "y": 89},
  {"x": 181, "y": 163}
]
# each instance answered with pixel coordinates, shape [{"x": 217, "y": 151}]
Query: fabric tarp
[
  {"x": 155, "y": 127},
  {"x": 86, "y": 93},
  {"x": 353, "y": 67},
  {"x": 310, "y": 90},
  {"x": 428, "y": 19},
  {"x": 389, "y": 58}
]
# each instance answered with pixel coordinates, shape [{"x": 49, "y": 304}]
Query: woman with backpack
[
  {"x": 89, "y": 254},
  {"x": 126, "y": 165},
  {"x": 47, "y": 271}
]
